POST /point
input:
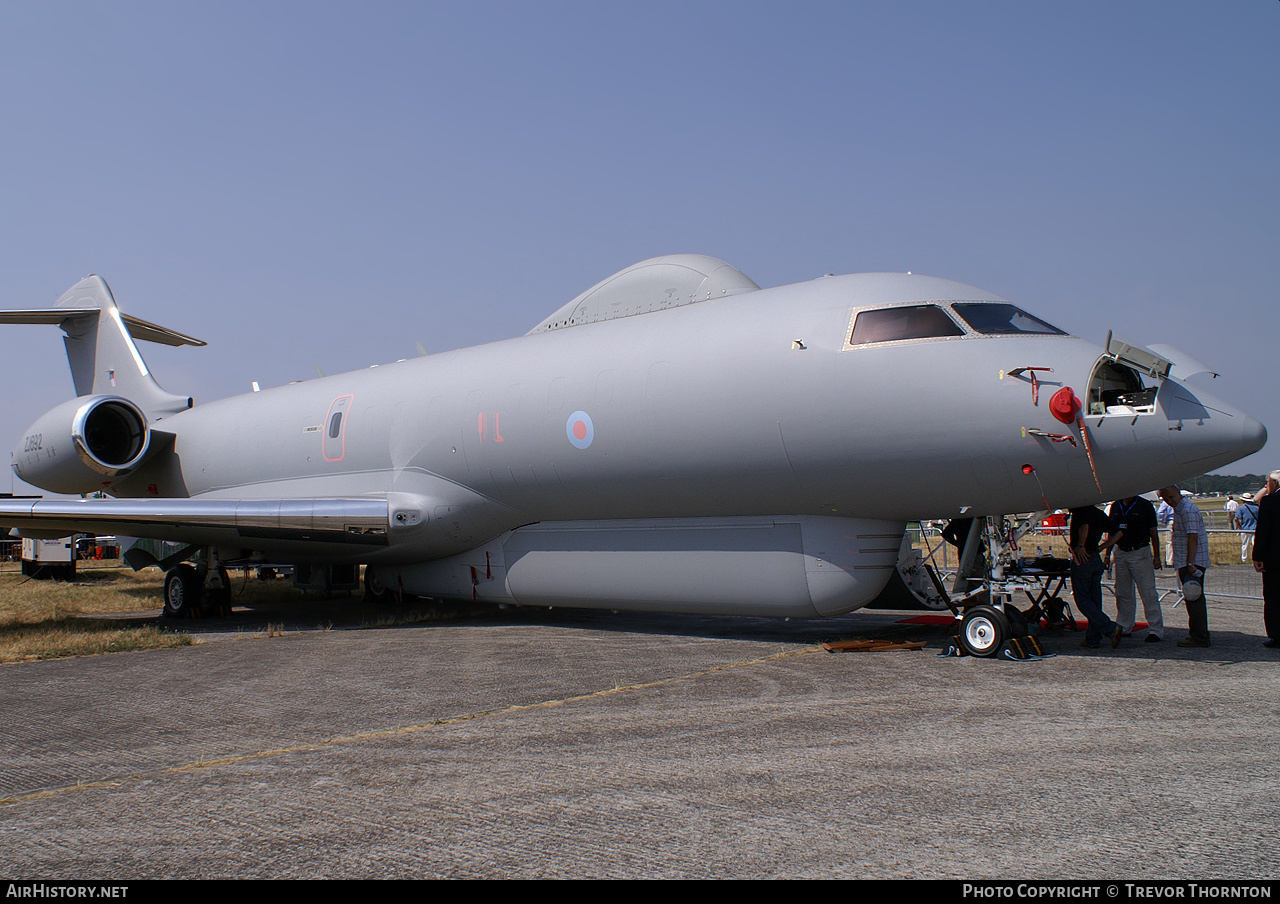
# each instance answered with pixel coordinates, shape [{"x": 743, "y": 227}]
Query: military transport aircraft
[{"x": 674, "y": 439}]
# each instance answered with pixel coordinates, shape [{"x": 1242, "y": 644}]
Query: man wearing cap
[
  {"x": 1266, "y": 558},
  {"x": 1136, "y": 541},
  {"x": 1246, "y": 523},
  {"x": 1190, "y": 543}
]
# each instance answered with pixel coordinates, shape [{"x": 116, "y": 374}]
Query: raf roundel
[{"x": 579, "y": 429}]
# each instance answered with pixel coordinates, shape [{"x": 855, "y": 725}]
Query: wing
[{"x": 309, "y": 527}]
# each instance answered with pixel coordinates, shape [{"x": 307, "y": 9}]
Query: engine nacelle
[{"x": 84, "y": 445}]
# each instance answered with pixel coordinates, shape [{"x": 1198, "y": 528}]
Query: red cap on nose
[{"x": 1064, "y": 405}]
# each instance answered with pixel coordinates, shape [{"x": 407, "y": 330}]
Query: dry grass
[
  {"x": 46, "y": 619},
  {"x": 53, "y": 619},
  {"x": 100, "y": 588},
  {"x": 60, "y": 638}
]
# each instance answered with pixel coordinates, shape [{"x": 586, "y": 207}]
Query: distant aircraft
[{"x": 674, "y": 439}]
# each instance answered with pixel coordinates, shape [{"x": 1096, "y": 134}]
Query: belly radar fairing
[{"x": 674, "y": 439}]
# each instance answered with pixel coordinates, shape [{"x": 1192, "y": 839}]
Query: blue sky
[{"x": 328, "y": 183}]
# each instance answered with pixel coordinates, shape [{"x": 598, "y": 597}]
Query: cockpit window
[
  {"x": 995, "y": 319},
  {"x": 921, "y": 321}
]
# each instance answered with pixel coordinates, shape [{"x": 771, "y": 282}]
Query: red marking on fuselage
[
  {"x": 341, "y": 438},
  {"x": 497, "y": 430},
  {"x": 580, "y": 429}
]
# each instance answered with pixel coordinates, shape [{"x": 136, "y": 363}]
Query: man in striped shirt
[{"x": 1190, "y": 544}]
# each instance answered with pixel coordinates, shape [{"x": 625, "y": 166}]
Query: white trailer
[{"x": 49, "y": 558}]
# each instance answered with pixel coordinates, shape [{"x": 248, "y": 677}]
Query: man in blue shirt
[{"x": 1246, "y": 523}]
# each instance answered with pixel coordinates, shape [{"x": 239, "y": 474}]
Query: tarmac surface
[{"x": 301, "y": 743}]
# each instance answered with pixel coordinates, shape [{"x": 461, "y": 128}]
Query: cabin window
[
  {"x": 1116, "y": 389},
  {"x": 921, "y": 321},
  {"x": 998, "y": 319},
  {"x": 335, "y": 425}
]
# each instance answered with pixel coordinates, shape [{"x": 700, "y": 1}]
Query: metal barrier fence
[
  {"x": 1216, "y": 519},
  {"x": 1236, "y": 580}
]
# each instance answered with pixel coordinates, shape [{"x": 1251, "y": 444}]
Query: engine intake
[{"x": 108, "y": 435}]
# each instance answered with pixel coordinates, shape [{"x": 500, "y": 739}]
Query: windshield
[
  {"x": 1000, "y": 319},
  {"x": 922, "y": 321}
]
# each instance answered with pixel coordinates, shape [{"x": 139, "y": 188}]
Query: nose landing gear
[
  {"x": 989, "y": 630},
  {"x": 983, "y": 630}
]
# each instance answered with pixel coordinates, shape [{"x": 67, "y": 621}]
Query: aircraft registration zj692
[{"x": 674, "y": 439}]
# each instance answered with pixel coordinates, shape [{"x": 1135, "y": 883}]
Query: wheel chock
[
  {"x": 1028, "y": 645},
  {"x": 1015, "y": 649},
  {"x": 872, "y": 646},
  {"x": 1015, "y": 652},
  {"x": 1023, "y": 649}
]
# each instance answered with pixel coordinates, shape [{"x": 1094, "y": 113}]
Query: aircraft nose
[
  {"x": 1207, "y": 432},
  {"x": 1253, "y": 435}
]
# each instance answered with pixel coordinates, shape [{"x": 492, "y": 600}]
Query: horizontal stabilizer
[{"x": 138, "y": 328}]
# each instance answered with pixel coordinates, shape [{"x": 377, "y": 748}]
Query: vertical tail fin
[{"x": 100, "y": 346}]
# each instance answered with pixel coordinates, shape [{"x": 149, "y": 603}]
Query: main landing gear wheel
[
  {"x": 376, "y": 589},
  {"x": 984, "y": 630},
  {"x": 182, "y": 592},
  {"x": 217, "y": 601}
]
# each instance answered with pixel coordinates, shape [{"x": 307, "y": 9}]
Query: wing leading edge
[{"x": 317, "y": 524}]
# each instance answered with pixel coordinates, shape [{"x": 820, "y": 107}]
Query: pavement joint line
[{"x": 393, "y": 732}]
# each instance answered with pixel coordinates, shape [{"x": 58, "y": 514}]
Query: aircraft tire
[
  {"x": 375, "y": 590},
  {"x": 983, "y": 631},
  {"x": 182, "y": 592},
  {"x": 218, "y": 602},
  {"x": 1018, "y": 625}
]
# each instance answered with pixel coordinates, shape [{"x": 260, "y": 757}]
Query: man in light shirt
[
  {"x": 1164, "y": 515},
  {"x": 1133, "y": 540},
  {"x": 1190, "y": 542}
]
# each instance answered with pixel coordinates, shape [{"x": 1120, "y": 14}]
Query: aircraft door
[{"x": 335, "y": 428}]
